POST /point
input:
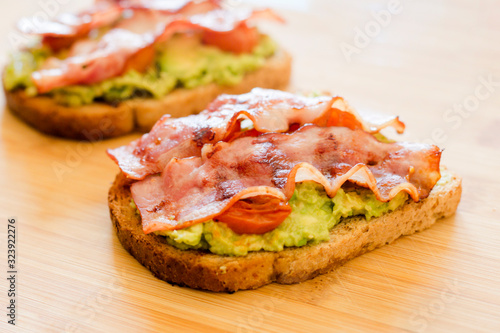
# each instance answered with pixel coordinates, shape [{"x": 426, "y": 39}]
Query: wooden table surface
[{"x": 434, "y": 63}]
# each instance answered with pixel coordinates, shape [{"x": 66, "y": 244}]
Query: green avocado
[
  {"x": 182, "y": 62},
  {"x": 313, "y": 215},
  {"x": 18, "y": 71}
]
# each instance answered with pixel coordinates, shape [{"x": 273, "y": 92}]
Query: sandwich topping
[
  {"x": 116, "y": 38},
  {"x": 266, "y": 168},
  {"x": 241, "y": 162}
]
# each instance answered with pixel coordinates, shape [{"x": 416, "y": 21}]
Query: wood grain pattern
[{"x": 432, "y": 57}]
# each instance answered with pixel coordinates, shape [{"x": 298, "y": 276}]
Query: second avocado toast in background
[{"x": 120, "y": 65}]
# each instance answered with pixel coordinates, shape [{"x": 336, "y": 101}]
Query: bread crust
[
  {"x": 201, "y": 270},
  {"x": 98, "y": 121}
]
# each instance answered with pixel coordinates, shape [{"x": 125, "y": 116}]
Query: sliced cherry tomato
[
  {"x": 257, "y": 215},
  {"x": 242, "y": 134},
  {"x": 57, "y": 44},
  {"x": 336, "y": 117},
  {"x": 241, "y": 39},
  {"x": 141, "y": 60}
]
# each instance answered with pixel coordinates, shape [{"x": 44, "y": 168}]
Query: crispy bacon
[
  {"x": 67, "y": 25},
  {"x": 185, "y": 7},
  {"x": 268, "y": 110},
  {"x": 194, "y": 190},
  {"x": 108, "y": 56}
]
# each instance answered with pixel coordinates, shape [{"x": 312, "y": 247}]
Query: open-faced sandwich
[
  {"x": 122, "y": 64},
  {"x": 270, "y": 186}
]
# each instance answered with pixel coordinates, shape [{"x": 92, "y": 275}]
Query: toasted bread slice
[
  {"x": 99, "y": 120},
  {"x": 349, "y": 239}
]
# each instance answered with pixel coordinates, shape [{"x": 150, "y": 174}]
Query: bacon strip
[
  {"x": 107, "y": 57},
  {"x": 194, "y": 190},
  {"x": 69, "y": 25},
  {"x": 185, "y": 7},
  {"x": 107, "y": 12},
  {"x": 268, "y": 110}
]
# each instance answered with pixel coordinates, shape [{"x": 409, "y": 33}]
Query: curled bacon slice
[
  {"x": 68, "y": 28},
  {"x": 196, "y": 189},
  {"x": 107, "y": 57},
  {"x": 67, "y": 25},
  {"x": 268, "y": 110},
  {"x": 107, "y": 12},
  {"x": 186, "y": 7}
]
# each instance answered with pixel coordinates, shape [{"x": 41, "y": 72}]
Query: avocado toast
[
  {"x": 274, "y": 187},
  {"x": 93, "y": 82}
]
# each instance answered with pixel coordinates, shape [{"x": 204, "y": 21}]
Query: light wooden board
[{"x": 74, "y": 276}]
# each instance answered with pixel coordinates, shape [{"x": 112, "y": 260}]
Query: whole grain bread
[
  {"x": 349, "y": 239},
  {"x": 99, "y": 120}
]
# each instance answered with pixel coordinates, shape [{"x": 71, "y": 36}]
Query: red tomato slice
[
  {"x": 57, "y": 44},
  {"x": 335, "y": 117},
  {"x": 240, "y": 40},
  {"x": 255, "y": 216},
  {"x": 237, "y": 135},
  {"x": 141, "y": 60}
]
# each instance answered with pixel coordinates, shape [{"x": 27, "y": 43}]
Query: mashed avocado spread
[
  {"x": 313, "y": 215},
  {"x": 183, "y": 61}
]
